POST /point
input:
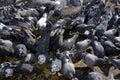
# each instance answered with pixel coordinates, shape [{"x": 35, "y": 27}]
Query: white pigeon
[{"x": 42, "y": 21}]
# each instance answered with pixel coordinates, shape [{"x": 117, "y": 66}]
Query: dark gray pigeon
[
  {"x": 42, "y": 49},
  {"x": 23, "y": 68},
  {"x": 43, "y": 44},
  {"x": 98, "y": 48},
  {"x": 60, "y": 23},
  {"x": 110, "y": 46},
  {"x": 83, "y": 27},
  {"x": 114, "y": 61},
  {"x": 79, "y": 19},
  {"x": 56, "y": 39}
]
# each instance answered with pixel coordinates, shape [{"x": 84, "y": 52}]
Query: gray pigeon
[
  {"x": 6, "y": 48},
  {"x": 83, "y": 45},
  {"x": 110, "y": 33},
  {"x": 91, "y": 60},
  {"x": 55, "y": 65},
  {"x": 6, "y": 69},
  {"x": 101, "y": 28},
  {"x": 68, "y": 68},
  {"x": 67, "y": 44},
  {"x": 94, "y": 76},
  {"x": 116, "y": 41},
  {"x": 7, "y": 72}
]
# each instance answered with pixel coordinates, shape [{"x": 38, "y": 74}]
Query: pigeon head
[
  {"x": 43, "y": 58},
  {"x": 8, "y": 72},
  {"x": 21, "y": 50}
]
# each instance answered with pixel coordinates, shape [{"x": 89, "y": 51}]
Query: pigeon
[
  {"x": 60, "y": 23},
  {"x": 110, "y": 33},
  {"x": 23, "y": 68},
  {"x": 97, "y": 47},
  {"x": 92, "y": 60},
  {"x": 56, "y": 39},
  {"x": 4, "y": 27},
  {"x": 83, "y": 45},
  {"x": 43, "y": 58},
  {"x": 114, "y": 61},
  {"x": 116, "y": 39},
  {"x": 8, "y": 72},
  {"x": 28, "y": 58},
  {"x": 101, "y": 28},
  {"x": 68, "y": 68},
  {"x": 6, "y": 69},
  {"x": 79, "y": 19},
  {"x": 43, "y": 44},
  {"x": 42, "y": 21},
  {"x": 94, "y": 76},
  {"x": 109, "y": 46},
  {"x": 26, "y": 37},
  {"x": 84, "y": 27},
  {"x": 6, "y": 48},
  {"x": 21, "y": 50},
  {"x": 55, "y": 65},
  {"x": 67, "y": 44}
]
